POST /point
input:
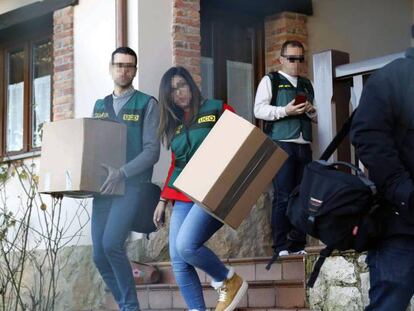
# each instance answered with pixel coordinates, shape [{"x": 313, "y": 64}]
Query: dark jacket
[{"x": 383, "y": 134}]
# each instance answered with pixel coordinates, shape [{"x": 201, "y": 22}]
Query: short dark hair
[
  {"x": 292, "y": 43},
  {"x": 124, "y": 50}
]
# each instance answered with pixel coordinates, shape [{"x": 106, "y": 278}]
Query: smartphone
[{"x": 299, "y": 99}]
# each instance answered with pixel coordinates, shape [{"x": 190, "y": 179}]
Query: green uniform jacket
[
  {"x": 290, "y": 127},
  {"x": 187, "y": 139},
  {"x": 131, "y": 114}
]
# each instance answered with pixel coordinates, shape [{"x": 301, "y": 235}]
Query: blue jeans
[
  {"x": 111, "y": 222},
  {"x": 287, "y": 178},
  {"x": 190, "y": 228},
  {"x": 391, "y": 272}
]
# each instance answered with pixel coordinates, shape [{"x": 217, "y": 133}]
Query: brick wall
[
  {"x": 279, "y": 28},
  {"x": 186, "y": 36},
  {"x": 63, "y": 64}
]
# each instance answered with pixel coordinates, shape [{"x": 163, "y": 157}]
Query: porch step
[
  {"x": 238, "y": 309},
  {"x": 272, "y": 309},
  {"x": 280, "y": 289}
]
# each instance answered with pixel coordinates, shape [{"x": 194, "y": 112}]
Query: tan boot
[{"x": 231, "y": 292}]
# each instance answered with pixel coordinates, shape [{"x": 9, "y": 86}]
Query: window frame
[{"x": 27, "y": 41}]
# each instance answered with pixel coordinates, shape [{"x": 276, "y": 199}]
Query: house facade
[{"x": 54, "y": 58}]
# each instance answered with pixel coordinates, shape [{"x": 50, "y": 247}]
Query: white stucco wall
[
  {"x": 364, "y": 29},
  {"x": 155, "y": 56},
  {"x": 94, "y": 41}
]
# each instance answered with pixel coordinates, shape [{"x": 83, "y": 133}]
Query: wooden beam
[
  {"x": 121, "y": 23},
  {"x": 324, "y": 65},
  {"x": 31, "y": 11}
]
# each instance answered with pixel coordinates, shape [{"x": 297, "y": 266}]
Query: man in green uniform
[
  {"x": 290, "y": 111},
  {"x": 112, "y": 216}
]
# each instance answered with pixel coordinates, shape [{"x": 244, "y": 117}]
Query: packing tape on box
[
  {"x": 249, "y": 173},
  {"x": 68, "y": 180},
  {"x": 46, "y": 182}
]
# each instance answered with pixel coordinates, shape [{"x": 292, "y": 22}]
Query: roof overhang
[
  {"x": 31, "y": 11},
  {"x": 262, "y": 7}
]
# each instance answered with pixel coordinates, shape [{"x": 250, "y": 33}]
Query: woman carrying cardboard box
[{"x": 186, "y": 119}]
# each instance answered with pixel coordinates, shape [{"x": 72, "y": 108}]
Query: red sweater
[{"x": 173, "y": 194}]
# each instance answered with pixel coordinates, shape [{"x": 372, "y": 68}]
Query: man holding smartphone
[{"x": 290, "y": 111}]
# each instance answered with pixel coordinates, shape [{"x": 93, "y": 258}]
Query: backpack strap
[
  {"x": 338, "y": 138},
  {"x": 326, "y": 252},
  {"x": 275, "y": 80},
  {"x": 272, "y": 261},
  {"x": 346, "y": 127}
]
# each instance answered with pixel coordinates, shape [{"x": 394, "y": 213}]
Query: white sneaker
[
  {"x": 301, "y": 252},
  {"x": 283, "y": 253}
]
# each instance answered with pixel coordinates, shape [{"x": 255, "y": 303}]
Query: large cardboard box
[
  {"x": 73, "y": 151},
  {"x": 232, "y": 167}
]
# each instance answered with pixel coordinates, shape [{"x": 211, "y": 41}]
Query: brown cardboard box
[
  {"x": 73, "y": 151},
  {"x": 231, "y": 168}
]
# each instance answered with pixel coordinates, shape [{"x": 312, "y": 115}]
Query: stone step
[
  {"x": 282, "y": 287},
  {"x": 261, "y": 294},
  {"x": 238, "y": 309},
  {"x": 272, "y": 309},
  {"x": 264, "y": 294},
  {"x": 250, "y": 269}
]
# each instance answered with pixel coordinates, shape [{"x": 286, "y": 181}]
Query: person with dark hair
[
  {"x": 126, "y": 51},
  {"x": 112, "y": 216},
  {"x": 285, "y": 99},
  {"x": 183, "y": 127},
  {"x": 383, "y": 135}
]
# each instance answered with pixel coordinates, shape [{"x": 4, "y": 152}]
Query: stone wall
[{"x": 343, "y": 284}]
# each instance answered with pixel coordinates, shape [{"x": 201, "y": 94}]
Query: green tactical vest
[
  {"x": 187, "y": 139},
  {"x": 290, "y": 127},
  {"x": 131, "y": 114}
]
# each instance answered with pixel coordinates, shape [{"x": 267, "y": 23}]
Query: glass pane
[
  {"x": 15, "y": 101},
  {"x": 240, "y": 88},
  {"x": 41, "y": 89},
  {"x": 207, "y": 77}
]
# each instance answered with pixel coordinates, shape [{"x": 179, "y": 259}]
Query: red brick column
[
  {"x": 279, "y": 28},
  {"x": 186, "y": 36},
  {"x": 63, "y": 64}
]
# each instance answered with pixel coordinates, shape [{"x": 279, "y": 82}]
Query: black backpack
[
  {"x": 337, "y": 207},
  {"x": 150, "y": 195}
]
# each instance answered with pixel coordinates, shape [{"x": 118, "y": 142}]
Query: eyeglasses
[
  {"x": 294, "y": 58},
  {"x": 124, "y": 65},
  {"x": 180, "y": 85}
]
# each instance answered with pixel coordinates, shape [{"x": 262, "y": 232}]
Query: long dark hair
[{"x": 170, "y": 114}]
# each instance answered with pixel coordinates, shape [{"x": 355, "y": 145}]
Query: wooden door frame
[{"x": 258, "y": 47}]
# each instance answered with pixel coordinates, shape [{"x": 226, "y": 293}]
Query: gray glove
[{"x": 115, "y": 176}]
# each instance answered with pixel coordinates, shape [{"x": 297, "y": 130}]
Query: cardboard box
[
  {"x": 231, "y": 169},
  {"x": 73, "y": 151}
]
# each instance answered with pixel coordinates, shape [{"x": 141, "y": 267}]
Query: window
[{"x": 25, "y": 95}]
